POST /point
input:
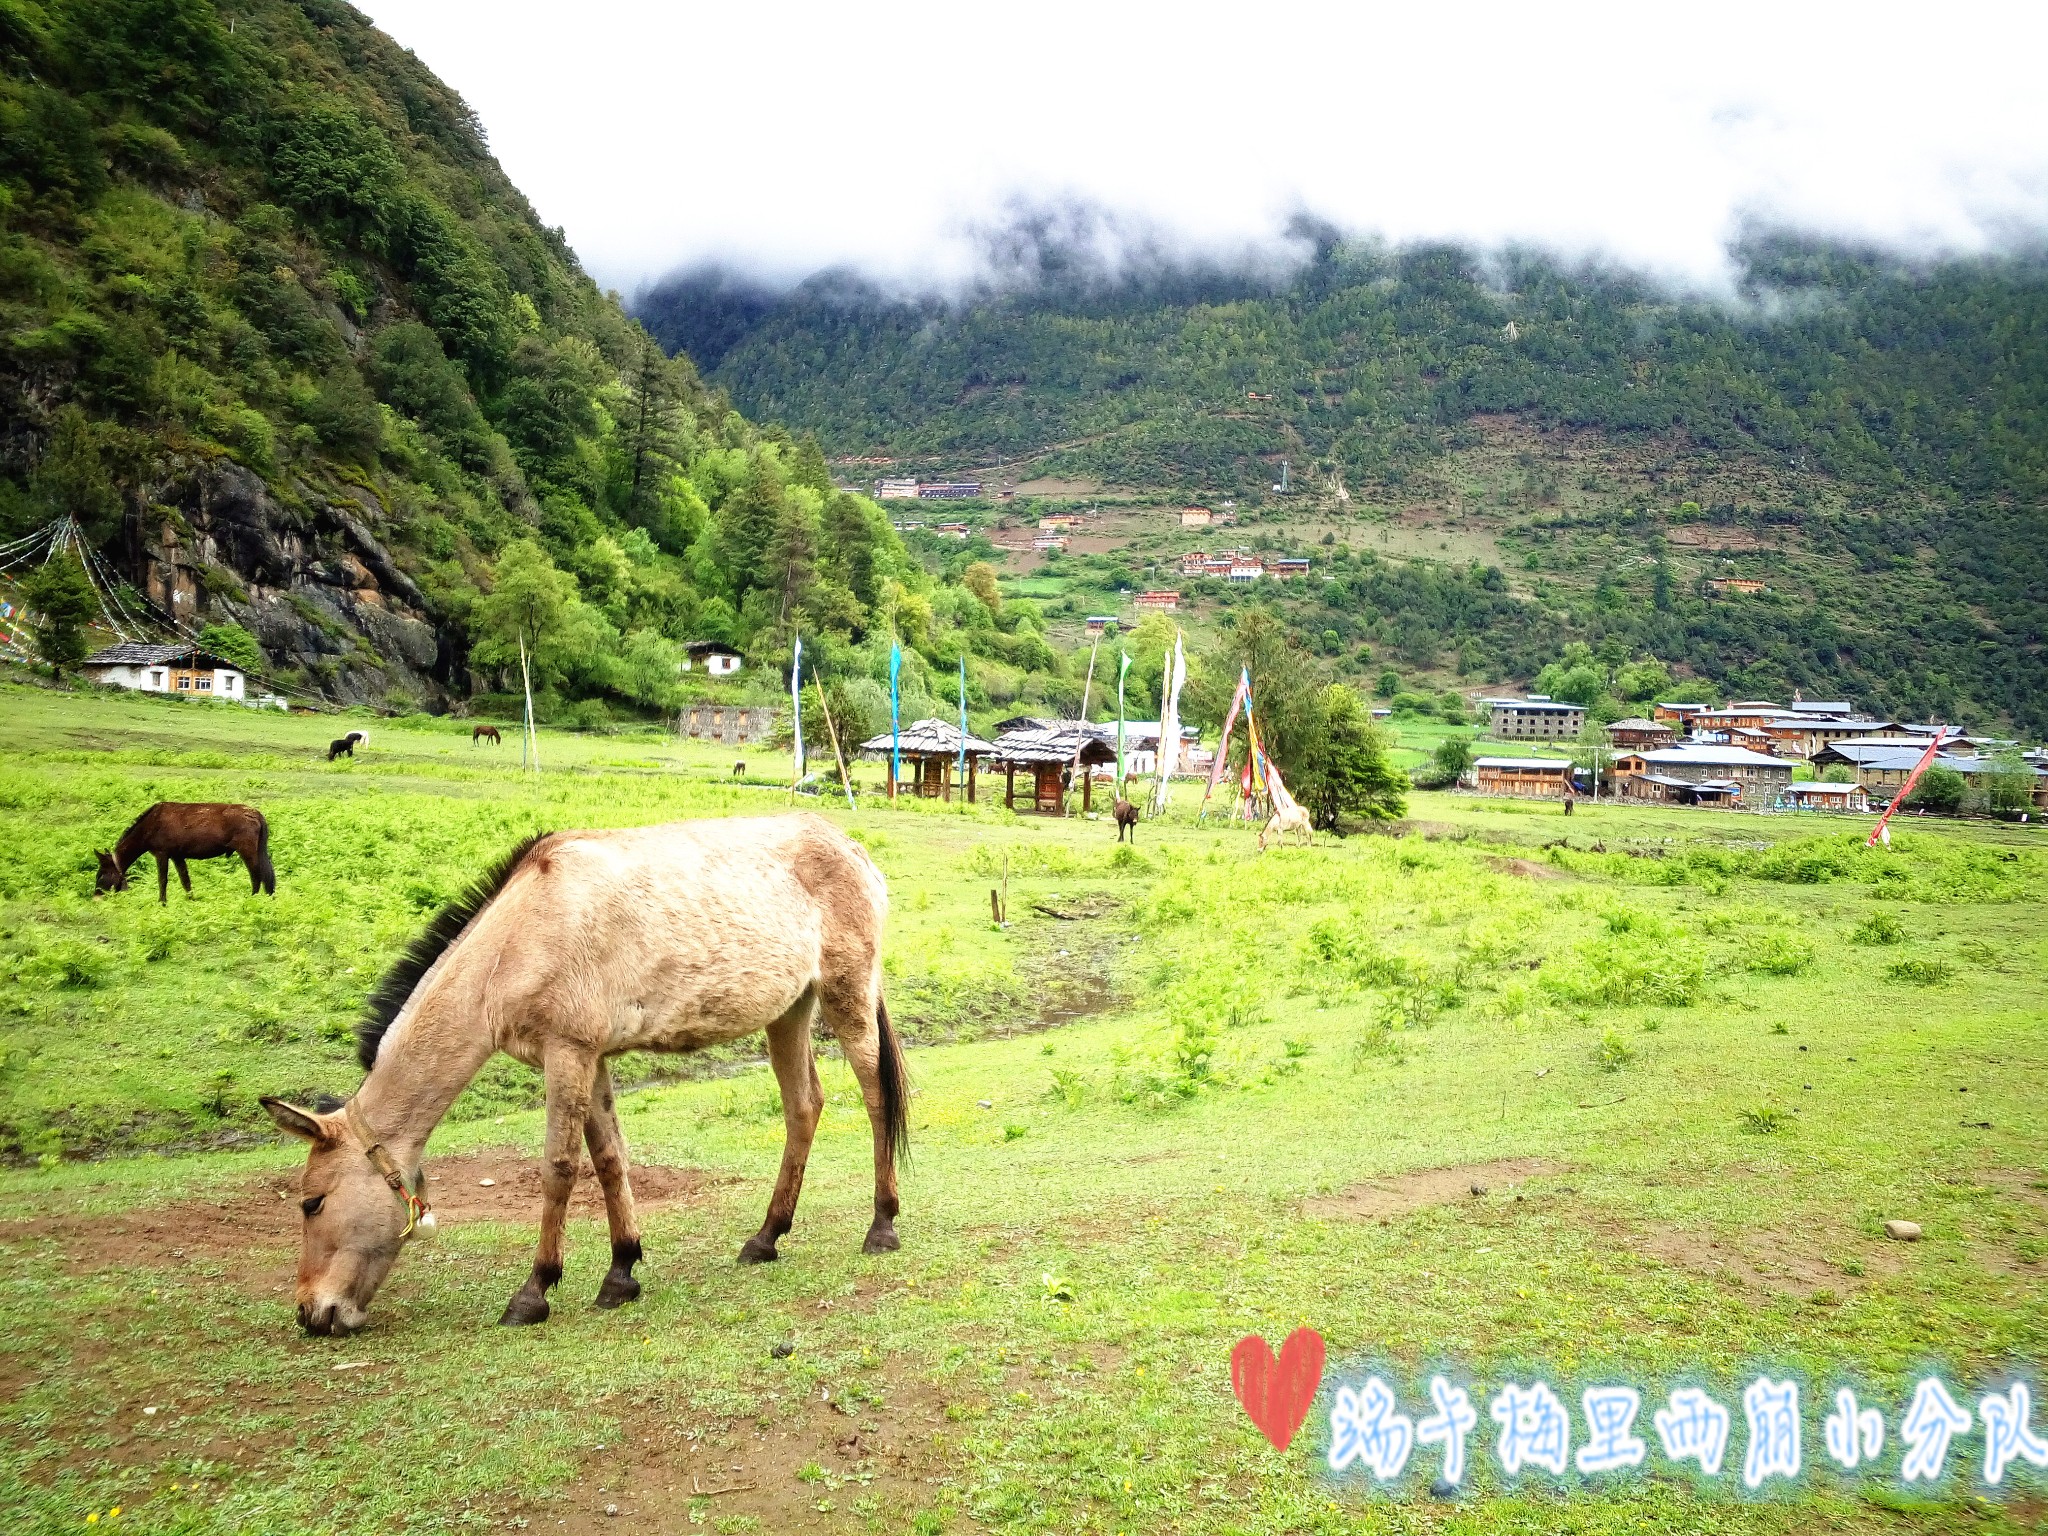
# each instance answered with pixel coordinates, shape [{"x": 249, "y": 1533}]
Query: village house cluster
[{"x": 1739, "y": 754}]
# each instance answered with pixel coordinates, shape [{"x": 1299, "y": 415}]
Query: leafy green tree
[
  {"x": 1345, "y": 772},
  {"x": 2009, "y": 782},
  {"x": 980, "y": 579},
  {"x": 60, "y": 602},
  {"x": 234, "y": 645},
  {"x": 528, "y": 604},
  {"x": 1642, "y": 682},
  {"x": 1838, "y": 773},
  {"x": 1387, "y": 684},
  {"x": 1453, "y": 758},
  {"x": 1941, "y": 789}
]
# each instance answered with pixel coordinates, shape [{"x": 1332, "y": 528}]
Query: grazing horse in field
[
  {"x": 486, "y": 733},
  {"x": 346, "y": 747},
  {"x": 739, "y": 770},
  {"x": 175, "y": 832},
  {"x": 1126, "y": 815},
  {"x": 577, "y": 947},
  {"x": 1287, "y": 818}
]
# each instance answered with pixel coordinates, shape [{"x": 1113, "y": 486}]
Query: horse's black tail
[
  {"x": 895, "y": 1085},
  {"x": 264, "y": 875}
]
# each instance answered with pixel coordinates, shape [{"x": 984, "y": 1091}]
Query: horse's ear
[{"x": 302, "y": 1123}]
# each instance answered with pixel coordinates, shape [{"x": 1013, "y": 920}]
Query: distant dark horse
[
  {"x": 739, "y": 770},
  {"x": 486, "y": 733},
  {"x": 346, "y": 747},
  {"x": 176, "y": 832},
  {"x": 1126, "y": 815}
]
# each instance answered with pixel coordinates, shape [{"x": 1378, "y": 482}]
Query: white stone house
[{"x": 185, "y": 670}]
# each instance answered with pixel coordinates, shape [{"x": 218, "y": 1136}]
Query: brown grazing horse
[
  {"x": 486, "y": 733},
  {"x": 175, "y": 832},
  {"x": 739, "y": 769},
  {"x": 579, "y": 946},
  {"x": 346, "y": 747},
  {"x": 1126, "y": 815}
]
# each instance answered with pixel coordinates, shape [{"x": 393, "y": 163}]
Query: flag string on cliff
[{"x": 961, "y": 770}]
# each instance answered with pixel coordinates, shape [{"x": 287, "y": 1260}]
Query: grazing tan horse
[
  {"x": 1285, "y": 819},
  {"x": 176, "y": 831},
  {"x": 486, "y": 733},
  {"x": 578, "y": 946}
]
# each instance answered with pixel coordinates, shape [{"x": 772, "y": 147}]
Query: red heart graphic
[{"x": 1277, "y": 1393}]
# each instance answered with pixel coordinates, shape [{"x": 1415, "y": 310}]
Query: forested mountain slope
[
  {"x": 1875, "y": 435},
  {"x": 277, "y": 331}
]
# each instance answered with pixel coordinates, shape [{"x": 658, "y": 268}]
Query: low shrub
[
  {"x": 1879, "y": 928},
  {"x": 1777, "y": 954},
  {"x": 1920, "y": 973}
]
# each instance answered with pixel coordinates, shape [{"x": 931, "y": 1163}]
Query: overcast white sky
[{"x": 786, "y": 137}]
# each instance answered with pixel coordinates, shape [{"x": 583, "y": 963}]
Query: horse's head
[
  {"x": 111, "y": 876},
  {"x": 355, "y": 1222}
]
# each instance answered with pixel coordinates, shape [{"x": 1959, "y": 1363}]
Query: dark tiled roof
[{"x": 137, "y": 653}]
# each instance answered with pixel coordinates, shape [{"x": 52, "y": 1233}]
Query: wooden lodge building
[
  {"x": 1527, "y": 778},
  {"x": 934, "y": 749},
  {"x": 1641, "y": 734}
]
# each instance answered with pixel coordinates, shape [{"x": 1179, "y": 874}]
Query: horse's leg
[
  {"x": 570, "y": 1071},
  {"x": 184, "y": 875},
  {"x": 856, "y": 1020},
  {"x": 163, "y": 881},
  {"x": 607, "y": 1145},
  {"x": 789, "y": 1049}
]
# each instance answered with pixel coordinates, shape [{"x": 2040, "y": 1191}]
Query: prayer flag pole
[
  {"x": 796, "y": 705},
  {"x": 895, "y": 718}
]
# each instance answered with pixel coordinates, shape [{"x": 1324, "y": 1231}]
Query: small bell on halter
[{"x": 426, "y": 1226}]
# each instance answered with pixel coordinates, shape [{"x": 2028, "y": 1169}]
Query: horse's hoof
[
  {"x": 758, "y": 1252},
  {"x": 881, "y": 1239},
  {"x": 523, "y": 1311},
  {"x": 616, "y": 1291}
]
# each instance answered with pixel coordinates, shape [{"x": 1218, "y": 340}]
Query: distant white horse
[{"x": 1287, "y": 818}]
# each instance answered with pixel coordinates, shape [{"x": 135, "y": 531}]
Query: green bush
[
  {"x": 1777, "y": 954},
  {"x": 1879, "y": 928},
  {"x": 1920, "y": 973}
]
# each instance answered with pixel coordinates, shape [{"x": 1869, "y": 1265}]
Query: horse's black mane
[{"x": 390, "y": 996}]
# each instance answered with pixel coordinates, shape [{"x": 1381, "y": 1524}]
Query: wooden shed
[
  {"x": 934, "y": 747},
  {"x": 1048, "y": 753}
]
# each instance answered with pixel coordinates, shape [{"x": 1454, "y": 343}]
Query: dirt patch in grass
[
  {"x": 805, "y": 1470},
  {"x": 1761, "y": 1261},
  {"x": 1528, "y": 869},
  {"x": 1382, "y": 1199},
  {"x": 242, "y": 1228}
]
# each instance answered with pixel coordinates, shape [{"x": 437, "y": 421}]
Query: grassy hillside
[
  {"x": 280, "y": 336},
  {"x": 1866, "y": 436}
]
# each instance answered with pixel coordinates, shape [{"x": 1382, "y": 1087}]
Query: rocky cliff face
[{"x": 312, "y": 582}]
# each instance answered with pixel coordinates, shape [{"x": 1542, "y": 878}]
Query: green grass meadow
[{"x": 1627, "y": 1097}]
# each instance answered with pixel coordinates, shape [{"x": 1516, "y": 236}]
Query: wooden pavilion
[
  {"x": 1049, "y": 752},
  {"x": 934, "y": 747}
]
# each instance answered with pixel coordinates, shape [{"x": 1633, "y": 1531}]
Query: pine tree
[{"x": 60, "y": 601}]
